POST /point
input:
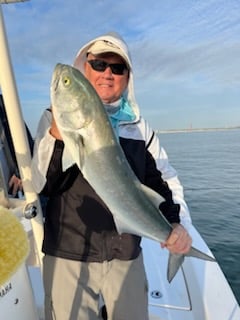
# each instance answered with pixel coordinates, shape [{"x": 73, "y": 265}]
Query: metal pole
[{"x": 19, "y": 136}]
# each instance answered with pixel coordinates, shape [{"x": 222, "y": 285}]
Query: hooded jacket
[{"x": 78, "y": 225}]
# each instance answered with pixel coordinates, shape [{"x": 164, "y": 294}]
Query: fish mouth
[{"x": 56, "y": 77}]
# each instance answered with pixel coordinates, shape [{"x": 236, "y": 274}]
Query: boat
[{"x": 199, "y": 291}]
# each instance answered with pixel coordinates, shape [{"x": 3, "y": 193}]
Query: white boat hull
[
  {"x": 16, "y": 298},
  {"x": 199, "y": 291}
]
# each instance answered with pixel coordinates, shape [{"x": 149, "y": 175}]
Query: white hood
[{"x": 81, "y": 57}]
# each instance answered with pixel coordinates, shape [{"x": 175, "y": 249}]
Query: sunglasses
[{"x": 101, "y": 66}]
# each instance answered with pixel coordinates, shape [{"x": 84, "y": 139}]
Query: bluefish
[{"x": 89, "y": 138}]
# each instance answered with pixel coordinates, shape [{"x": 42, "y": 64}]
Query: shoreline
[{"x": 190, "y": 130}]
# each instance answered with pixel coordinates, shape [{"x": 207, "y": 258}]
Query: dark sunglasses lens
[
  {"x": 98, "y": 65},
  {"x": 116, "y": 68}
]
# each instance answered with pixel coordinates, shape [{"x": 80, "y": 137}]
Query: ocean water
[{"x": 208, "y": 166}]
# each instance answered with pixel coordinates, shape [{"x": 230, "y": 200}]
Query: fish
[{"x": 91, "y": 141}]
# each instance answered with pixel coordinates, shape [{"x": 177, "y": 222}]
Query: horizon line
[{"x": 196, "y": 129}]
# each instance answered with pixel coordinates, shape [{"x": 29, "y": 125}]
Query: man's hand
[
  {"x": 179, "y": 240},
  {"x": 15, "y": 185},
  {"x": 54, "y": 129}
]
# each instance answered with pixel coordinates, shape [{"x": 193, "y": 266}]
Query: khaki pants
[{"x": 73, "y": 289}]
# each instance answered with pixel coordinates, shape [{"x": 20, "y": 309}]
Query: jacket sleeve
[
  {"x": 46, "y": 148},
  {"x": 169, "y": 174},
  {"x": 42, "y": 152}
]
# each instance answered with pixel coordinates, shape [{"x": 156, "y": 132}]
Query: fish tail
[
  {"x": 175, "y": 261},
  {"x": 199, "y": 254}
]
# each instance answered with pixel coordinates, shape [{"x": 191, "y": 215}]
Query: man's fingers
[{"x": 179, "y": 240}]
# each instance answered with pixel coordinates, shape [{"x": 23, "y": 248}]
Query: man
[{"x": 85, "y": 257}]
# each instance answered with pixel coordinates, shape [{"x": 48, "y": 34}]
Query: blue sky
[{"x": 186, "y": 54}]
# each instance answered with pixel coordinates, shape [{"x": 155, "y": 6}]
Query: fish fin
[
  {"x": 155, "y": 197},
  {"x": 199, "y": 254},
  {"x": 175, "y": 261},
  {"x": 75, "y": 146}
]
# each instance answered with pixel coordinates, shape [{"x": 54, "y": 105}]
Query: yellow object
[{"x": 14, "y": 245}]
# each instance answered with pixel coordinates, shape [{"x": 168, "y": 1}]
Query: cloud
[{"x": 189, "y": 48}]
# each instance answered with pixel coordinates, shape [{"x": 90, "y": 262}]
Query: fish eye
[{"x": 66, "y": 81}]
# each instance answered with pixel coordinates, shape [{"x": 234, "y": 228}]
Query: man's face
[{"x": 108, "y": 85}]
